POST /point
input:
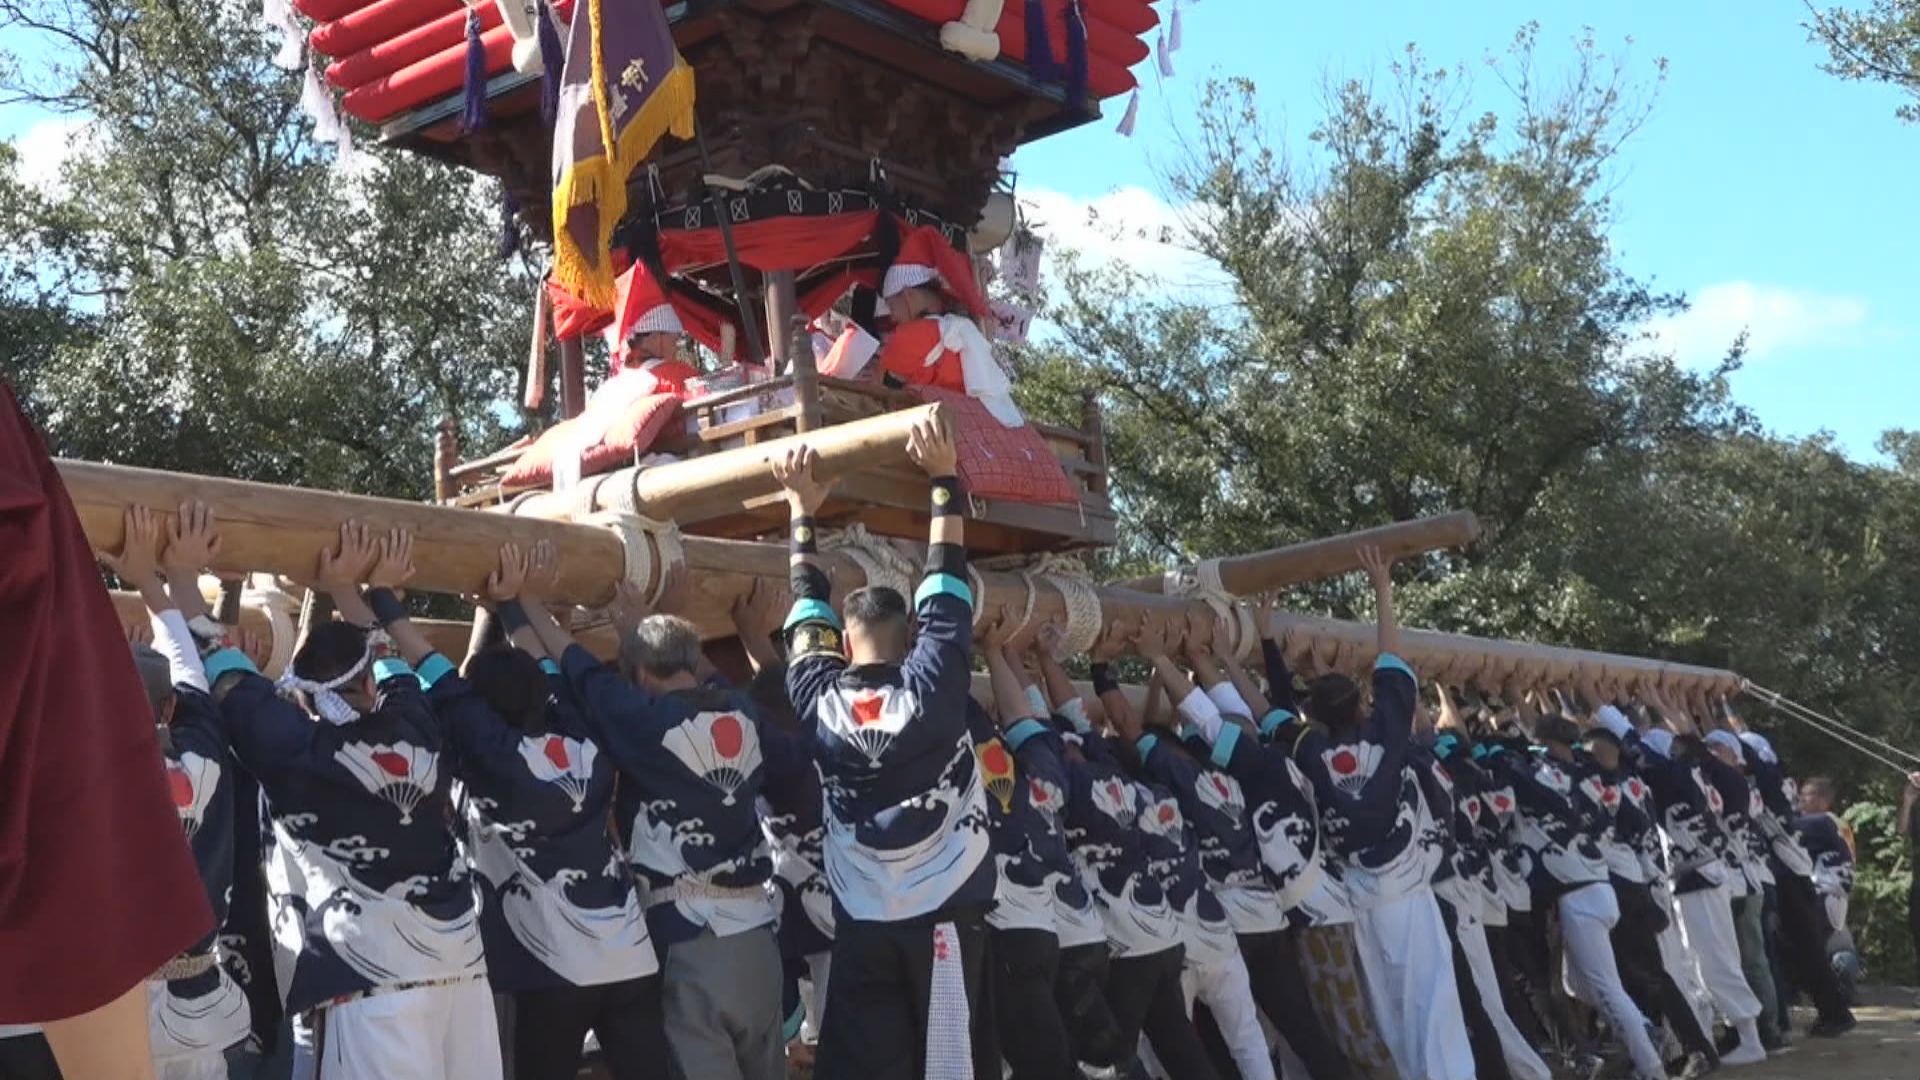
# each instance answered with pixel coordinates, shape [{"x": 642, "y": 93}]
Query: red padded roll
[
  {"x": 386, "y": 57},
  {"x": 377, "y": 22},
  {"x": 327, "y": 10},
  {"x": 1132, "y": 16},
  {"x": 370, "y": 63},
  {"x": 416, "y": 84}
]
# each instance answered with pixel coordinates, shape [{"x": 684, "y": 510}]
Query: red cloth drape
[
  {"x": 97, "y": 885},
  {"x": 782, "y": 243}
]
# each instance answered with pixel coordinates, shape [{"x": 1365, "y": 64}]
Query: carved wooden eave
[{"x": 825, "y": 88}]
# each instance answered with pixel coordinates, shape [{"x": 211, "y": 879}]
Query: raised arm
[
  {"x": 758, "y": 624},
  {"x": 1243, "y": 684},
  {"x": 1060, "y": 688},
  {"x": 812, "y": 621},
  {"x": 138, "y": 563},
  {"x": 192, "y": 542},
  {"x": 1003, "y": 673},
  {"x": 393, "y": 568},
  {"x": 1379, "y": 570},
  {"x": 940, "y": 660}
]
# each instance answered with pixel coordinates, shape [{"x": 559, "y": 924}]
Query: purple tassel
[
  {"x": 1076, "y": 57},
  {"x": 1166, "y": 58},
  {"x": 509, "y": 223},
  {"x": 553, "y": 60},
  {"x": 473, "y": 116},
  {"x": 1040, "y": 61},
  {"x": 1173, "y": 33},
  {"x": 1133, "y": 114}
]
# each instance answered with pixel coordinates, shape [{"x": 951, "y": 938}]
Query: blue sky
[{"x": 1778, "y": 197}]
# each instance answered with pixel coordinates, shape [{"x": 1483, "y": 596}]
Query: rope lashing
[
  {"x": 1201, "y": 581},
  {"x": 881, "y": 562},
  {"x": 1085, "y": 619},
  {"x": 649, "y": 548},
  {"x": 1869, "y": 745}
]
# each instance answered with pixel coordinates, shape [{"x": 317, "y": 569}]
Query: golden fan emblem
[{"x": 941, "y": 496}]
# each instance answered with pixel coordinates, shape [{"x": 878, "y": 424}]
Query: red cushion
[
  {"x": 999, "y": 462},
  {"x": 633, "y": 433}
]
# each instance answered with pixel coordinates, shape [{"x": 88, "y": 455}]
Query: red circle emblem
[{"x": 727, "y": 736}]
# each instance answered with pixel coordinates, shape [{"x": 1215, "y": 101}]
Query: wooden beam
[
  {"x": 573, "y": 378},
  {"x": 1459, "y": 657},
  {"x": 725, "y": 482},
  {"x": 282, "y": 530},
  {"x": 1265, "y": 571}
]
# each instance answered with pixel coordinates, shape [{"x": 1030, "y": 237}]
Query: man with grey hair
[{"x": 691, "y": 757}]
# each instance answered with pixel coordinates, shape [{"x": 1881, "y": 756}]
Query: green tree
[
  {"x": 224, "y": 298},
  {"x": 1423, "y": 314},
  {"x": 1880, "y": 44}
]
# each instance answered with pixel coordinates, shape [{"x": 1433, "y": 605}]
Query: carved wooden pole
[
  {"x": 282, "y": 530},
  {"x": 1531, "y": 664},
  {"x": 1265, "y": 571},
  {"x": 713, "y": 484}
]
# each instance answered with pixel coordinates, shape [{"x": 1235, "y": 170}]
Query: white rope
[
  {"x": 1870, "y": 745},
  {"x": 1085, "y": 619},
  {"x": 1201, "y": 582},
  {"x": 636, "y": 549},
  {"x": 1026, "y": 614},
  {"x": 979, "y": 585},
  {"x": 1793, "y": 708},
  {"x": 879, "y": 560}
]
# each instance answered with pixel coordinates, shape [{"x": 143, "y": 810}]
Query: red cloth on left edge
[{"x": 97, "y": 885}]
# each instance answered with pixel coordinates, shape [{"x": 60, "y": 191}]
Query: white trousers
[
  {"x": 1224, "y": 987},
  {"x": 1587, "y": 916},
  {"x": 429, "y": 1033},
  {"x": 189, "y": 1036},
  {"x": 1706, "y": 917},
  {"x": 1522, "y": 1061},
  {"x": 1407, "y": 961},
  {"x": 1680, "y": 963},
  {"x": 814, "y": 997},
  {"x": 211, "y": 1066}
]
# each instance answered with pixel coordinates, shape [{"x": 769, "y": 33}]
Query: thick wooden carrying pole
[
  {"x": 282, "y": 530},
  {"x": 1457, "y": 656},
  {"x": 1264, "y": 571},
  {"x": 723, "y": 571},
  {"x": 714, "y": 484}
]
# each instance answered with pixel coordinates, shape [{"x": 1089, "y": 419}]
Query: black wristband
[
  {"x": 387, "y": 607},
  {"x": 946, "y": 496},
  {"x": 511, "y": 615},
  {"x": 229, "y": 607},
  {"x": 805, "y": 538},
  {"x": 1103, "y": 680},
  {"x": 948, "y": 559}
]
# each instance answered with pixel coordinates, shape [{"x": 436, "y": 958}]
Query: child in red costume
[{"x": 933, "y": 300}]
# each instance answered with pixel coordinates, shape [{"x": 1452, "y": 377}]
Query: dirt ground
[{"x": 1886, "y": 1045}]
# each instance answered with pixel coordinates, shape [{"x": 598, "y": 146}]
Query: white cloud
[
  {"x": 1775, "y": 318},
  {"x": 1128, "y": 225},
  {"x": 47, "y": 146}
]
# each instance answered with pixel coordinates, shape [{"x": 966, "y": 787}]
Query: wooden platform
[{"x": 890, "y": 502}]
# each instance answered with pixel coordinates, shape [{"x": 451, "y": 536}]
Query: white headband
[{"x": 332, "y": 707}]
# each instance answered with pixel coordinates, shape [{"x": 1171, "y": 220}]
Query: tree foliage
[
  {"x": 205, "y": 290},
  {"x": 1878, "y": 44},
  {"x": 1424, "y": 313}
]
